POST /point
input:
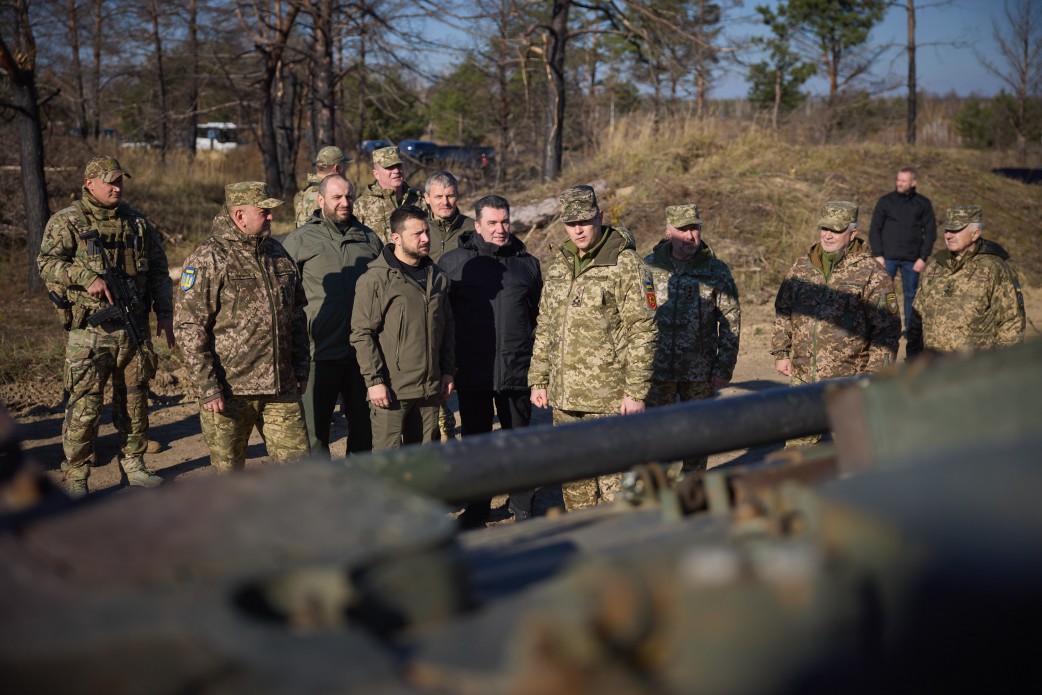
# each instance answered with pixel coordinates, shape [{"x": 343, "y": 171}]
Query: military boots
[
  {"x": 135, "y": 473},
  {"x": 76, "y": 479}
]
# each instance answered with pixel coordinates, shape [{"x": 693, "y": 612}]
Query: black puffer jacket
[{"x": 494, "y": 294}]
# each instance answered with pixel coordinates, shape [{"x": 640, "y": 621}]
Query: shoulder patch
[
  {"x": 891, "y": 302},
  {"x": 648, "y": 280},
  {"x": 188, "y": 276}
]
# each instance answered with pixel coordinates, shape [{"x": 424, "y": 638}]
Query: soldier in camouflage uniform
[
  {"x": 330, "y": 160},
  {"x": 699, "y": 318},
  {"x": 72, "y": 268},
  {"x": 240, "y": 324},
  {"x": 447, "y": 224},
  {"x": 595, "y": 336},
  {"x": 836, "y": 312},
  {"x": 969, "y": 297},
  {"x": 385, "y": 195}
]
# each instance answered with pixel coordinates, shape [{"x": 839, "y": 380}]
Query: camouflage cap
[
  {"x": 330, "y": 156},
  {"x": 250, "y": 193},
  {"x": 387, "y": 157},
  {"x": 837, "y": 215},
  {"x": 578, "y": 203},
  {"x": 958, "y": 216},
  {"x": 683, "y": 215},
  {"x": 105, "y": 168}
]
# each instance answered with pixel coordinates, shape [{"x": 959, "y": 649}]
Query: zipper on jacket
[{"x": 274, "y": 315}]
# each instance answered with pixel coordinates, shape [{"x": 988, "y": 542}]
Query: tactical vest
[{"x": 122, "y": 238}]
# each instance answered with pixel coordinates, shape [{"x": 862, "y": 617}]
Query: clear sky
[{"x": 949, "y": 37}]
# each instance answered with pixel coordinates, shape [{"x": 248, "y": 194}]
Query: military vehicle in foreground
[{"x": 905, "y": 555}]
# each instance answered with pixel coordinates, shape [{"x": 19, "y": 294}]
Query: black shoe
[{"x": 473, "y": 517}]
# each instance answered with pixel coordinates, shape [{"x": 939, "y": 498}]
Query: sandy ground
[{"x": 175, "y": 422}]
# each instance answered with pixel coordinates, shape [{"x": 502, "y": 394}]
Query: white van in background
[{"x": 219, "y": 137}]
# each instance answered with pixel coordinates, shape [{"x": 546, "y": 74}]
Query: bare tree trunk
[
  {"x": 503, "y": 105},
  {"x": 322, "y": 18},
  {"x": 363, "y": 95},
  {"x": 193, "y": 79},
  {"x": 96, "y": 73},
  {"x": 911, "y": 74},
  {"x": 157, "y": 44},
  {"x": 777, "y": 98},
  {"x": 20, "y": 66},
  {"x": 77, "y": 70},
  {"x": 557, "y": 39}
]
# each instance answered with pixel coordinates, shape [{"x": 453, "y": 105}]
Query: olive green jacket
[
  {"x": 403, "y": 333},
  {"x": 330, "y": 261}
]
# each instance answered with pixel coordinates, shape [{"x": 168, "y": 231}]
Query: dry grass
[{"x": 760, "y": 194}]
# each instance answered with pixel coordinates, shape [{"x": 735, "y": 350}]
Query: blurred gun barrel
[{"x": 479, "y": 467}]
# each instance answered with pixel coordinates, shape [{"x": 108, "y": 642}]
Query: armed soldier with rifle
[{"x": 105, "y": 269}]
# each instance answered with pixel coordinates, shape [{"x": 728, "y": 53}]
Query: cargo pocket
[{"x": 80, "y": 366}]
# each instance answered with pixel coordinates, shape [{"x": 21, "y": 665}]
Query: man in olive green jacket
[
  {"x": 331, "y": 252},
  {"x": 595, "y": 338},
  {"x": 402, "y": 332}
]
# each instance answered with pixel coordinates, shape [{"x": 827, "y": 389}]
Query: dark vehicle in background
[
  {"x": 423, "y": 151},
  {"x": 478, "y": 157},
  {"x": 370, "y": 146}
]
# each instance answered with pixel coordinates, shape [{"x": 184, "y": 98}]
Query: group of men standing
[{"x": 392, "y": 302}]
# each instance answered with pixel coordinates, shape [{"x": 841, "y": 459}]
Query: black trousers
[
  {"x": 476, "y": 410},
  {"x": 328, "y": 381}
]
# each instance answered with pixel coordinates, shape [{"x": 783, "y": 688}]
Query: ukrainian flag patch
[{"x": 188, "y": 276}]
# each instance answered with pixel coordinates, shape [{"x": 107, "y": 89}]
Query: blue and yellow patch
[
  {"x": 649, "y": 289},
  {"x": 188, "y": 276}
]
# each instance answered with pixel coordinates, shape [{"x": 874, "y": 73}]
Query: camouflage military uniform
[
  {"x": 306, "y": 200},
  {"x": 69, "y": 265},
  {"x": 330, "y": 160},
  {"x": 595, "y": 339},
  {"x": 842, "y": 324},
  {"x": 374, "y": 207},
  {"x": 240, "y": 324},
  {"x": 969, "y": 302},
  {"x": 699, "y": 323}
]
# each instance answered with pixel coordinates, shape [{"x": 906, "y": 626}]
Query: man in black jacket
[
  {"x": 902, "y": 234},
  {"x": 494, "y": 292}
]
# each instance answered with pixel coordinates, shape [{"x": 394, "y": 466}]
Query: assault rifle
[{"x": 127, "y": 305}]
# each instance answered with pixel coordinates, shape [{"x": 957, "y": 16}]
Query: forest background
[{"x": 617, "y": 91}]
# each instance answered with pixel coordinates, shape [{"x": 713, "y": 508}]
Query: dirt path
[{"x": 175, "y": 421}]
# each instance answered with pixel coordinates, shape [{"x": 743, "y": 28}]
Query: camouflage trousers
[
  {"x": 279, "y": 419},
  {"x": 666, "y": 393},
  {"x": 591, "y": 491},
  {"x": 810, "y": 439},
  {"x": 92, "y": 357}
]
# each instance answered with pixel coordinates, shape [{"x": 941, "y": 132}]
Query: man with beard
[
  {"x": 402, "y": 332},
  {"x": 331, "y": 251}
]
